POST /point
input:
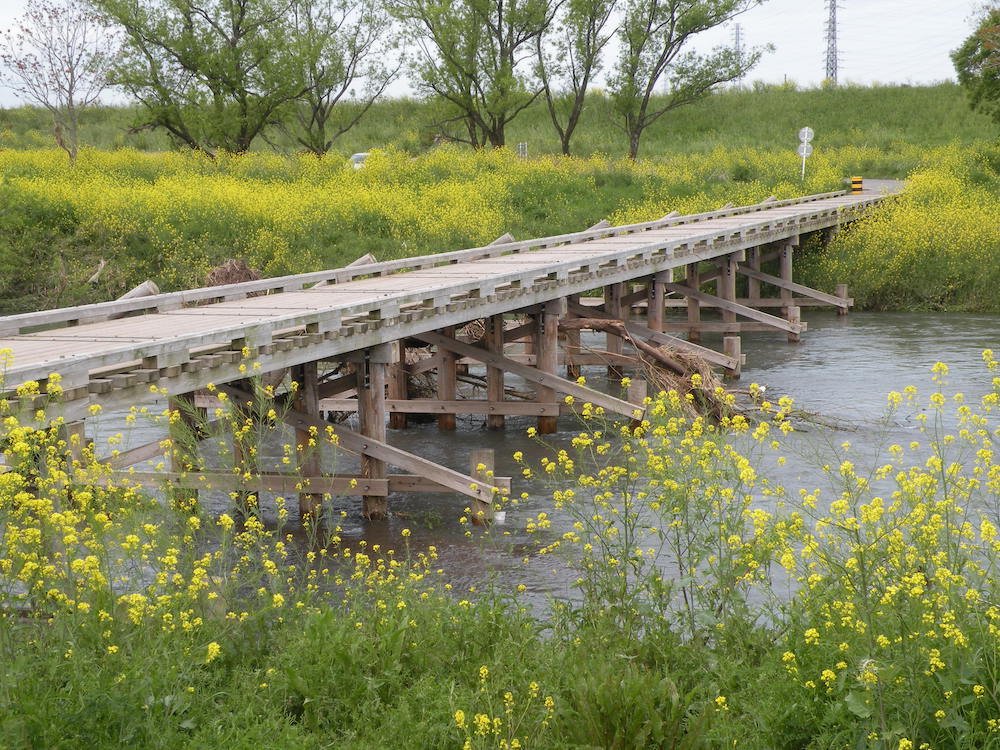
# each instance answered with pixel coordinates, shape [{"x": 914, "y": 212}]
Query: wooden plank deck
[{"x": 285, "y": 322}]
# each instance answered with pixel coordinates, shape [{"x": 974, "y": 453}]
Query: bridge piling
[
  {"x": 398, "y": 384},
  {"x": 447, "y": 381},
  {"x": 371, "y": 373},
  {"x": 307, "y": 441},
  {"x": 494, "y": 375},
  {"x": 615, "y": 307},
  {"x": 548, "y": 359},
  {"x": 655, "y": 294},
  {"x": 571, "y": 349},
  {"x": 692, "y": 281}
]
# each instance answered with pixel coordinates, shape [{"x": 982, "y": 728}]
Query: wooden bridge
[{"x": 375, "y": 316}]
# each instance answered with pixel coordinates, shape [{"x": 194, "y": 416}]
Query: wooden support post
[
  {"x": 307, "y": 441},
  {"x": 482, "y": 467},
  {"x": 614, "y": 307},
  {"x": 785, "y": 262},
  {"x": 794, "y": 317},
  {"x": 841, "y": 291},
  {"x": 494, "y": 375},
  {"x": 655, "y": 300},
  {"x": 753, "y": 285},
  {"x": 371, "y": 371},
  {"x": 572, "y": 347},
  {"x": 184, "y": 438},
  {"x": 447, "y": 380},
  {"x": 732, "y": 347},
  {"x": 693, "y": 282},
  {"x": 398, "y": 385},
  {"x": 548, "y": 358},
  {"x": 726, "y": 285},
  {"x": 637, "y": 392}
]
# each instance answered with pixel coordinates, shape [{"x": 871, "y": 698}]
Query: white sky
[{"x": 884, "y": 41}]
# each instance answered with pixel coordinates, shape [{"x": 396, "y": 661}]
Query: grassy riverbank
[
  {"x": 170, "y": 216},
  {"x": 712, "y": 608},
  {"x": 880, "y": 117}
]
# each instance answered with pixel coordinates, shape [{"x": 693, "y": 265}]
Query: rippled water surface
[{"x": 841, "y": 371}]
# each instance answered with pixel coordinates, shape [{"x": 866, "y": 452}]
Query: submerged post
[
  {"x": 693, "y": 282},
  {"x": 571, "y": 349},
  {"x": 307, "y": 441},
  {"x": 548, "y": 359},
  {"x": 494, "y": 375},
  {"x": 655, "y": 293},
  {"x": 398, "y": 386},
  {"x": 614, "y": 306},
  {"x": 371, "y": 373},
  {"x": 447, "y": 381}
]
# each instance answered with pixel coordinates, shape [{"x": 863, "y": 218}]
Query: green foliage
[
  {"x": 895, "y": 121},
  {"x": 171, "y": 217},
  {"x": 472, "y": 58},
  {"x": 127, "y": 621},
  {"x": 655, "y": 44},
  {"x": 977, "y": 62},
  {"x": 215, "y": 75},
  {"x": 932, "y": 248}
]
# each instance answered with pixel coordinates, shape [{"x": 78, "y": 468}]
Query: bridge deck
[{"x": 110, "y": 353}]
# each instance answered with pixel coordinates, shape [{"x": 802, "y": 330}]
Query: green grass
[{"x": 881, "y": 117}]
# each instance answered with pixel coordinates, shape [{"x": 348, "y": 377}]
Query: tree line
[{"x": 219, "y": 75}]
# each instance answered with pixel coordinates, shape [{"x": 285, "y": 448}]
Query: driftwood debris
[{"x": 666, "y": 369}]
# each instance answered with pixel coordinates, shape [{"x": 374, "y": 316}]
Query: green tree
[
  {"x": 653, "y": 37},
  {"x": 345, "y": 54},
  {"x": 476, "y": 55},
  {"x": 977, "y": 63},
  {"x": 213, "y": 73},
  {"x": 569, "y": 56}
]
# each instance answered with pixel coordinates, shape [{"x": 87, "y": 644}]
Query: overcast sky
[{"x": 884, "y": 41}]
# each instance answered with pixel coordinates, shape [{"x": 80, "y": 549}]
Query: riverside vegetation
[
  {"x": 712, "y": 607},
  {"x": 170, "y": 216}
]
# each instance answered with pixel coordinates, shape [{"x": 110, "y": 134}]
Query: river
[{"x": 841, "y": 370}]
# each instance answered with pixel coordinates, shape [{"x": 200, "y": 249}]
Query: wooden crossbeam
[
  {"x": 458, "y": 406},
  {"x": 263, "y": 482},
  {"x": 352, "y": 441},
  {"x": 742, "y": 310},
  {"x": 559, "y": 385},
  {"x": 134, "y": 456},
  {"x": 791, "y": 286},
  {"x": 641, "y": 331},
  {"x": 342, "y": 484}
]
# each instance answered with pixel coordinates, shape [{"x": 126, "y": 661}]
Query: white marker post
[{"x": 805, "y": 147}]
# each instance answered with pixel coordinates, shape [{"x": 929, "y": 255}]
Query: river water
[{"x": 841, "y": 371}]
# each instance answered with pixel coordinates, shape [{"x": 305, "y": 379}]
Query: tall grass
[
  {"x": 172, "y": 216},
  {"x": 881, "y": 117}
]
